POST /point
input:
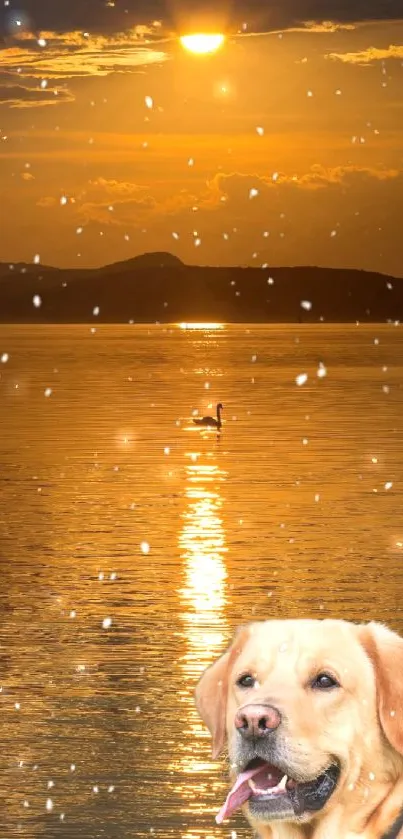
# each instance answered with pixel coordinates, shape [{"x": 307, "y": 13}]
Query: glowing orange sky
[{"x": 283, "y": 148}]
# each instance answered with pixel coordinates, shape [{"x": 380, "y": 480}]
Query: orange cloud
[
  {"x": 317, "y": 178},
  {"x": 115, "y": 188},
  {"x": 47, "y": 201},
  {"x": 319, "y": 26},
  {"x": 368, "y": 56},
  {"x": 76, "y": 54},
  {"x": 130, "y": 204},
  {"x": 121, "y": 212},
  {"x": 20, "y": 96}
]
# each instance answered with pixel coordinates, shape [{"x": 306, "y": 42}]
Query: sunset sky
[{"x": 283, "y": 147}]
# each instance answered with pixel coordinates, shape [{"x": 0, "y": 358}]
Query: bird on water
[{"x": 211, "y": 422}]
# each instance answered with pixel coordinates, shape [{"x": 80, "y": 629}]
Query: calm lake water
[{"x": 114, "y": 506}]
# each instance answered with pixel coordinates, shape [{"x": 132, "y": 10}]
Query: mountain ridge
[{"x": 159, "y": 287}]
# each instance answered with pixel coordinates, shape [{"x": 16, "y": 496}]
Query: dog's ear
[
  {"x": 385, "y": 649},
  {"x": 212, "y": 691}
]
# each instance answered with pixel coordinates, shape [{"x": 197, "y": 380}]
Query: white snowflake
[
  {"x": 106, "y": 623},
  {"x": 301, "y": 379}
]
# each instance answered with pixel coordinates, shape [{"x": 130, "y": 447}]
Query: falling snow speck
[
  {"x": 48, "y": 391},
  {"x": 145, "y": 548},
  {"x": 149, "y": 101},
  {"x": 37, "y": 301},
  {"x": 4, "y": 358},
  {"x": 388, "y": 485},
  {"x": 96, "y": 311},
  {"x": 37, "y": 259},
  {"x": 306, "y": 304},
  {"x": 106, "y": 623},
  {"x": 63, "y": 200},
  {"x": 321, "y": 371},
  {"x": 253, "y": 192},
  {"x": 49, "y": 804},
  {"x": 301, "y": 379}
]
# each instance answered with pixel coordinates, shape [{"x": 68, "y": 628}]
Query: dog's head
[{"x": 307, "y": 708}]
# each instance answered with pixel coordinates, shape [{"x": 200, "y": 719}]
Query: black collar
[{"x": 394, "y": 831}]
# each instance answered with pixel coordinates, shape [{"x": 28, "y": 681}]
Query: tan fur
[{"x": 361, "y": 724}]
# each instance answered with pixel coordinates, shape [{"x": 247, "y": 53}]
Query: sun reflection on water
[
  {"x": 203, "y": 597},
  {"x": 204, "y": 326}
]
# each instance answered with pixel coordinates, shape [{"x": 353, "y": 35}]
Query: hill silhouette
[
  {"x": 156, "y": 259},
  {"x": 158, "y": 287}
]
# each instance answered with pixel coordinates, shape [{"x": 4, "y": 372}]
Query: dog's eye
[
  {"x": 323, "y": 681},
  {"x": 246, "y": 681}
]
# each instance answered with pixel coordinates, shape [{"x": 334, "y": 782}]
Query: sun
[{"x": 202, "y": 43}]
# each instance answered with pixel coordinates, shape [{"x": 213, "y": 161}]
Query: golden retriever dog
[{"x": 312, "y": 714}]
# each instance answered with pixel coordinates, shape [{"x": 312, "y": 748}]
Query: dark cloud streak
[{"x": 114, "y": 15}]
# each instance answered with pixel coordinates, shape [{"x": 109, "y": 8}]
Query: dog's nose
[{"x": 257, "y": 720}]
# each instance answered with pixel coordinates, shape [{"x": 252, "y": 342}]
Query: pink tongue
[{"x": 239, "y": 793}]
